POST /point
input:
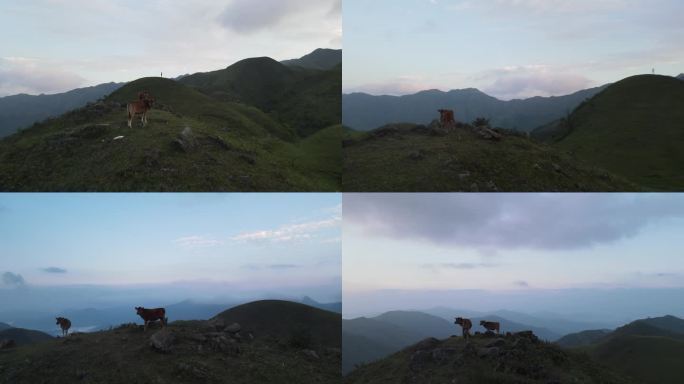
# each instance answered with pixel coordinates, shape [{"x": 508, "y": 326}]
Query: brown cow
[
  {"x": 140, "y": 107},
  {"x": 466, "y": 324},
  {"x": 65, "y": 324},
  {"x": 490, "y": 325},
  {"x": 150, "y": 315},
  {"x": 446, "y": 117}
]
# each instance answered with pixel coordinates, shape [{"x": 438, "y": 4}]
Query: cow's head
[
  {"x": 459, "y": 321},
  {"x": 482, "y": 322},
  {"x": 59, "y": 319},
  {"x": 139, "y": 310}
]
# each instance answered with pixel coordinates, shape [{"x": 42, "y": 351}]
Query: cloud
[
  {"x": 255, "y": 267},
  {"x": 521, "y": 284},
  {"x": 442, "y": 266},
  {"x": 13, "y": 280},
  {"x": 32, "y": 76},
  {"x": 248, "y": 16},
  {"x": 198, "y": 241},
  {"x": 532, "y": 221},
  {"x": 54, "y": 270},
  {"x": 521, "y": 82},
  {"x": 291, "y": 232}
]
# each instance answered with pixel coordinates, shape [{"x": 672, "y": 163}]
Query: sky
[
  {"x": 185, "y": 246},
  {"x": 528, "y": 252},
  {"x": 51, "y": 46},
  {"x": 507, "y": 48}
]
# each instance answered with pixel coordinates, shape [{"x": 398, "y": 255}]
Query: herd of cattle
[
  {"x": 466, "y": 325},
  {"x": 148, "y": 315}
]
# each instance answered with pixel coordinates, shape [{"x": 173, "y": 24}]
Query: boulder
[
  {"x": 311, "y": 354},
  {"x": 233, "y": 328},
  {"x": 162, "y": 341},
  {"x": 6, "y": 344},
  {"x": 186, "y": 140}
]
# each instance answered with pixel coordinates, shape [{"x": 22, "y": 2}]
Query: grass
[
  {"x": 410, "y": 160},
  {"x": 238, "y": 148},
  {"x": 123, "y": 355},
  {"x": 633, "y": 129}
]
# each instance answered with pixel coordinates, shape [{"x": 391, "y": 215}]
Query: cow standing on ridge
[
  {"x": 65, "y": 324},
  {"x": 491, "y": 325},
  {"x": 466, "y": 324},
  {"x": 150, "y": 315},
  {"x": 140, "y": 107}
]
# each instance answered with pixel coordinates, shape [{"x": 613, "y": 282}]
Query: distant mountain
[
  {"x": 648, "y": 350},
  {"x": 275, "y": 342},
  {"x": 23, "y": 336},
  {"x": 514, "y": 358},
  {"x": 681, "y": 76},
  {"x": 332, "y": 307},
  {"x": 633, "y": 129},
  {"x": 321, "y": 58},
  {"x": 364, "y": 112},
  {"x": 4, "y": 326},
  {"x": 20, "y": 111},
  {"x": 389, "y": 332}
]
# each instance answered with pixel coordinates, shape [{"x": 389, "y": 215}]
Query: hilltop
[
  {"x": 321, "y": 58},
  {"x": 256, "y": 350},
  {"x": 22, "y": 336},
  {"x": 195, "y": 140},
  {"x": 433, "y": 159},
  {"x": 485, "y": 358},
  {"x": 648, "y": 350},
  {"x": 369, "y": 339},
  {"x": 364, "y": 112},
  {"x": 633, "y": 128}
]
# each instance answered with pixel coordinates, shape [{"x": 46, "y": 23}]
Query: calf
[
  {"x": 446, "y": 117},
  {"x": 65, "y": 324},
  {"x": 490, "y": 325},
  {"x": 150, "y": 315},
  {"x": 466, "y": 324},
  {"x": 139, "y": 107}
]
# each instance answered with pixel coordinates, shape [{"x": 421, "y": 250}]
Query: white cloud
[
  {"x": 33, "y": 76},
  {"x": 291, "y": 232},
  {"x": 521, "y": 82},
  {"x": 198, "y": 241}
]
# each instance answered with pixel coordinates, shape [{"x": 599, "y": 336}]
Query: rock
[
  {"x": 233, "y": 328},
  {"x": 218, "y": 324},
  {"x": 7, "y": 344},
  {"x": 162, "y": 341},
  {"x": 488, "y": 352},
  {"x": 384, "y": 131},
  {"x": 221, "y": 142},
  {"x": 487, "y": 134},
  {"x": 529, "y": 335},
  {"x": 428, "y": 343},
  {"x": 443, "y": 354},
  {"x": 186, "y": 140},
  {"x": 117, "y": 138},
  {"x": 310, "y": 354},
  {"x": 417, "y": 155}
]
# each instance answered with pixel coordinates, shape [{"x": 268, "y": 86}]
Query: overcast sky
[
  {"x": 49, "y": 46},
  {"x": 502, "y": 244},
  {"x": 210, "y": 245},
  {"x": 507, "y": 48}
]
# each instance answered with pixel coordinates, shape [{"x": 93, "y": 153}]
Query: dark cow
[
  {"x": 491, "y": 325},
  {"x": 140, "y": 107},
  {"x": 466, "y": 324},
  {"x": 65, "y": 324},
  {"x": 150, "y": 315},
  {"x": 446, "y": 117}
]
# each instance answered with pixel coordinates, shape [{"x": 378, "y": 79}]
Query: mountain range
[
  {"x": 264, "y": 341},
  {"x": 364, "y": 112},
  {"x": 255, "y": 125}
]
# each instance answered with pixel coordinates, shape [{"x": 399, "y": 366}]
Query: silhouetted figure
[
  {"x": 465, "y": 324},
  {"x": 491, "y": 325},
  {"x": 150, "y": 315}
]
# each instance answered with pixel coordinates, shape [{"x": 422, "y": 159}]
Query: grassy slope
[
  {"x": 123, "y": 355},
  {"x": 536, "y": 363},
  {"x": 635, "y": 128},
  {"x": 513, "y": 164},
  {"x": 239, "y": 149}
]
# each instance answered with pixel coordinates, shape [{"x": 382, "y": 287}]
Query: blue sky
[
  {"x": 50, "y": 46},
  {"x": 507, "y": 48},
  {"x": 521, "y": 244},
  {"x": 242, "y": 242}
]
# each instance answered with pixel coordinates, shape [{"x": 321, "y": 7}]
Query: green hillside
[
  {"x": 408, "y": 157},
  {"x": 514, "y": 358},
  {"x": 583, "y": 338},
  {"x": 634, "y": 128},
  {"x": 649, "y": 350},
  {"x": 186, "y": 352},
  {"x": 191, "y": 143},
  {"x": 23, "y": 336}
]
